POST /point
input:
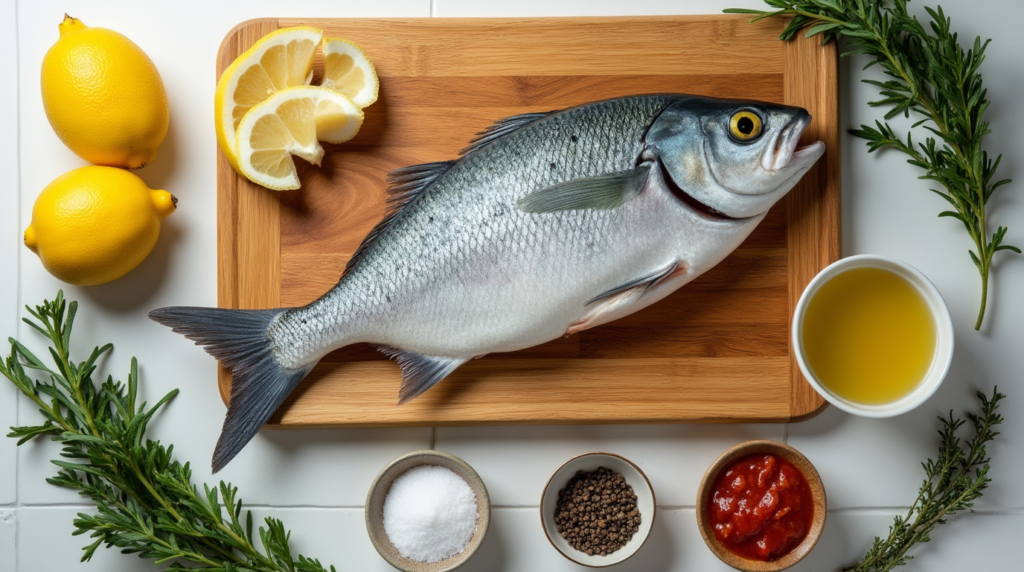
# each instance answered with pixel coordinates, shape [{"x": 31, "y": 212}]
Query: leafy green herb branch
[
  {"x": 146, "y": 502},
  {"x": 931, "y": 76},
  {"x": 147, "y": 505},
  {"x": 952, "y": 483}
]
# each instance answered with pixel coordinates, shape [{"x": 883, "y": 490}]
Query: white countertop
[{"x": 317, "y": 480}]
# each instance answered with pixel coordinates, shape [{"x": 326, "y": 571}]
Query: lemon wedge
[
  {"x": 348, "y": 71},
  {"x": 279, "y": 60},
  {"x": 291, "y": 122}
]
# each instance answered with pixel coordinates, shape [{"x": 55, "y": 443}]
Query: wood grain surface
[{"x": 715, "y": 351}]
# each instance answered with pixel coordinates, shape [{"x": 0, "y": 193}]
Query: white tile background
[
  {"x": 8, "y": 553},
  {"x": 8, "y": 245},
  {"x": 316, "y": 480}
]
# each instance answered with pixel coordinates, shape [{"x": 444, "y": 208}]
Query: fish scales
[
  {"x": 552, "y": 224},
  {"x": 446, "y": 225}
]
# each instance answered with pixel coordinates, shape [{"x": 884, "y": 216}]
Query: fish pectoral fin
[
  {"x": 420, "y": 372},
  {"x": 640, "y": 285},
  {"x": 600, "y": 193},
  {"x": 605, "y": 310},
  {"x": 609, "y": 305}
]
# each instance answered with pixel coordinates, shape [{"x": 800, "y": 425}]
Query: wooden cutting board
[{"x": 716, "y": 351}]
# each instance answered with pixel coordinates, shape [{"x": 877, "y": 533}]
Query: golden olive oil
[{"x": 868, "y": 336}]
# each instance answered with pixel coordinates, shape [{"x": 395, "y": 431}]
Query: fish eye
[{"x": 745, "y": 126}]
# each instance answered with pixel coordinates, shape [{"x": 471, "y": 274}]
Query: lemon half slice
[
  {"x": 279, "y": 60},
  {"x": 288, "y": 123},
  {"x": 348, "y": 71}
]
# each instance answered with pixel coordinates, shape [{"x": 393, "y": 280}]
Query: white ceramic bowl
[
  {"x": 943, "y": 335},
  {"x": 589, "y": 462}
]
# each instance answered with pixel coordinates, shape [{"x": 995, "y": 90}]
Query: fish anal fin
[
  {"x": 600, "y": 193},
  {"x": 502, "y": 127},
  {"x": 618, "y": 301},
  {"x": 420, "y": 372},
  {"x": 406, "y": 184}
]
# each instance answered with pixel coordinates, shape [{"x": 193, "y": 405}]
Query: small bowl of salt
[{"x": 427, "y": 511}]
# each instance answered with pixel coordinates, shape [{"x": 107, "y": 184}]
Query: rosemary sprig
[
  {"x": 931, "y": 75},
  {"x": 146, "y": 502},
  {"x": 952, "y": 483}
]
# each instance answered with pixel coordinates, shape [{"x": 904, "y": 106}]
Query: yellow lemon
[
  {"x": 291, "y": 122},
  {"x": 103, "y": 96},
  {"x": 94, "y": 224},
  {"x": 279, "y": 60},
  {"x": 347, "y": 70}
]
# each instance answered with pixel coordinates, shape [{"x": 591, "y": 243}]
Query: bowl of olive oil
[{"x": 873, "y": 336}]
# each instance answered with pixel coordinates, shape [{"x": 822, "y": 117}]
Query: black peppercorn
[{"x": 597, "y": 512}]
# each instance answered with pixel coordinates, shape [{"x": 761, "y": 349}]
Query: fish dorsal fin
[
  {"x": 405, "y": 185},
  {"x": 420, "y": 372},
  {"x": 408, "y": 181},
  {"x": 502, "y": 127},
  {"x": 601, "y": 193}
]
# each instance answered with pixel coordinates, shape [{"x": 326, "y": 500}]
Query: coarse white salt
[{"x": 430, "y": 513}]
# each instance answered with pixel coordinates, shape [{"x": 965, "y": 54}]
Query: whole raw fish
[{"x": 548, "y": 224}]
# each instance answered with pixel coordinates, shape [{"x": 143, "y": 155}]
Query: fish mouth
[
  {"x": 686, "y": 198},
  {"x": 783, "y": 153}
]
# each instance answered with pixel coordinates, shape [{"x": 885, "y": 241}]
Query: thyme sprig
[
  {"x": 931, "y": 76},
  {"x": 952, "y": 483},
  {"x": 146, "y": 502}
]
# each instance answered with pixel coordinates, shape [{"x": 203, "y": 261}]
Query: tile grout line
[
  {"x": 785, "y": 433},
  {"x": 433, "y": 8},
  {"x": 887, "y": 511},
  {"x": 1011, "y": 512},
  {"x": 17, "y": 262}
]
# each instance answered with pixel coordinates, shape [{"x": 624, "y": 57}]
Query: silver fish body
[{"x": 549, "y": 224}]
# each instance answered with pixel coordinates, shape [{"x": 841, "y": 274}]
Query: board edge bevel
[
  {"x": 813, "y": 207},
  {"x": 229, "y": 291}
]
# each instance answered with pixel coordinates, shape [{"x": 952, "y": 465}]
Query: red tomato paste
[{"x": 761, "y": 507}]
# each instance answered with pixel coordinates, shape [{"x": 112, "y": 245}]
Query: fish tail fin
[{"x": 240, "y": 340}]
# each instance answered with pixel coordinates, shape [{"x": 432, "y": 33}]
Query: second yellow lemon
[
  {"x": 279, "y": 60},
  {"x": 94, "y": 224},
  {"x": 103, "y": 96},
  {"x": 348, "y": 71},
  {"x": 292, "y": 122}
]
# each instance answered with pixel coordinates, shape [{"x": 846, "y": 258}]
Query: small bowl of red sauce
[{"x": 761, "y": 506}]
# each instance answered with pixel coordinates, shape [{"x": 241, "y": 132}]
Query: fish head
[{"x": 736, "y": 158}]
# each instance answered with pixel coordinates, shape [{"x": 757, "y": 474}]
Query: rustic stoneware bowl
[
  {"x": 588, "y": 462},
  {"x": 788, "y": 454},
  {"x": 379, "y": 491}
]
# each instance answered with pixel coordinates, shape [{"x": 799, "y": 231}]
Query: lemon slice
[
  {"x": 279, "y": 60},
  {"x": 348, "y": 71},
  {"x": 290, "y": 122}
]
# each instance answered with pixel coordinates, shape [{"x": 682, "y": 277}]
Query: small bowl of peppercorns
[{"x": 597, "y": 509}]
